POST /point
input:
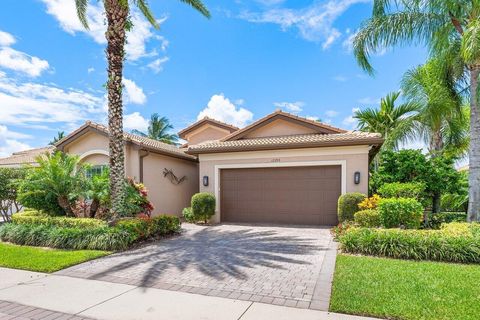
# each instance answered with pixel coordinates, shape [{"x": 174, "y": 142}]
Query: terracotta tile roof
[
  {"x": 147, "y": 143},
  {"x": 200, "y": 122},
  {"x": 279, "y": 114},
  {"x": 289, "y": 142},
  {"x": 24, "y": 157}
]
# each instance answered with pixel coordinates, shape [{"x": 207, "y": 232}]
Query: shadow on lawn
[{"x": 213, "y": 252}]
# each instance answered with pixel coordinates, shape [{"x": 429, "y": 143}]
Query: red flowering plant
[{"x": 136, "y": 200}]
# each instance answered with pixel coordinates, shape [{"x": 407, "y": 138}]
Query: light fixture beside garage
[
  {"x": 356, "y": 177},
  {"x": 205, "y": 181}
]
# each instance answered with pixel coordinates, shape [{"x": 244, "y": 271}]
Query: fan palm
[
  {"x": 451, "y": 30},
  {"x": 393, "y": 122},
  {"x": 158, "y": 128},
  {"x": 118, "y": 23}
]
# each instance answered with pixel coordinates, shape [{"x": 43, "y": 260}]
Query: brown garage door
[{"x": 285, "y": 195}]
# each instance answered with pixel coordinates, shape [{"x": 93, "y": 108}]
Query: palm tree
[
  {"x": 392, "y": 121},
  {"x": 158, "y": 130},
  {"x": 60, "y": 136},
  {"x": 118, "y": 23},
  {"x": 441, "y": 121},
  {"x": 451, "y": 30}
]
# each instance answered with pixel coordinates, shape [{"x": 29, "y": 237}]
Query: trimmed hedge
[
  {"x": 56, "y": 233},
  {"x": 402, "y": 190},
  {"x": 348, "y": 205},
  {"x": 187, "y": 214},
  {"x": 21, "y": 218},
  {"x": 455, "y": 242},
  {"x": 400, "y": 212},
  {"x": 368, "y": 218}
]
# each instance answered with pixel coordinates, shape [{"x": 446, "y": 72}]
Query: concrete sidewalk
[{"x": 32, "y": 295}]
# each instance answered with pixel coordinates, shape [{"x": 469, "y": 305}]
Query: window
[{"x": 95, "y": 170}]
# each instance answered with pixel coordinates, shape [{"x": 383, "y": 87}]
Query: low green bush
[
  {"x": 188, "y": 215},
  {"x": 203, "y": 206},
  {"x": 400, "y": 212},
  {"x": 457, "y": 242},
  {"x": 402, "y": 190},
  {"x": 22, "y": 218},
  {"x": 68, "y": 235},
  {"x": 348, "y": 205},
  {"x": 435, "y": 220},
  {"x": 368, "y": 218},
  {"x": 101, "y": 238}
]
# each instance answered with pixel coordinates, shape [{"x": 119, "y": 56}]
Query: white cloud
[
  {"x": 331, "y": 113},
  {"x": 290, "y": 106},
  {"x": 340, "y": 78},
  {"x": 65, "y": 13},
  {"x": 17, "y": 60},
  {"x": 91, "y": 69},
  {"x": 314, "y": 118},
  {"x": 222, "y": 109},
  {"x": 350, "y": 121},
  {"x": 347, "y": 44},
  {"x": 135, "y": 121},
  {"x": 9, "y": 142},
  {"x": 314, "y": 23},
  {"x": 369, "y": 101},
  {"x": 31, "y": 103},
  {"x": 133, "y": 93},
  {"x": 157, "y": 65},
  {"x": 22, "y": 62},
  {"x": 6, "y": 39}
]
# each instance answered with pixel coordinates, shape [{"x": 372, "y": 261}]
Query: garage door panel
[{"x": 290, "y": 195}]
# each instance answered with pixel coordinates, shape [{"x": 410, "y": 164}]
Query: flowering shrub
[
  {"x": 136, "y": 200},
  {"x": 370, "y": 203}
]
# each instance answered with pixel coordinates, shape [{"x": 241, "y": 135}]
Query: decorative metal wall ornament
[{"x": 168, "y": 173}]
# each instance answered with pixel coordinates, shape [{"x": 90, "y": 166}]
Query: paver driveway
[{"x": 270, "y": 264}]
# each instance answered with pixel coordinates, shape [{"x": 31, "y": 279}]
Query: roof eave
[{"x": 371, "y": 142}]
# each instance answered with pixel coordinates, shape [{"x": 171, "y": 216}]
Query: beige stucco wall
[
  {"x": 279, "y": 128},
  {"x": 353, "y": 158},
  {"x": 206, "y": 132},
  {"x": 167, "y": 197}
]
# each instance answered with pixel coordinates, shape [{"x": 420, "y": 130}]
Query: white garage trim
[
  {"x": 92, "y": 152},
  {"x": 218, "y": 167}
]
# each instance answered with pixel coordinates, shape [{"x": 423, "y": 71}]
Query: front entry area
[{"x": 281, "y": 195}]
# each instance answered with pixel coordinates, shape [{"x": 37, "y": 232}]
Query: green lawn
[
  {"x": 41, "y": 259},
  {"x": 401, "y": 289}
]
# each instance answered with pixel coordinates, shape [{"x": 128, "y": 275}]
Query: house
[{"x": 280, "y": 169}]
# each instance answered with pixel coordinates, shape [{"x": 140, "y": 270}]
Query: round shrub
[
  {"x": 188, "y": 215},
  {"x": 348, "y": 205},
  {"x": 368, "y": 218},
  {"x": 401, "y": 212},
  {"x": 203, "y": 206}
]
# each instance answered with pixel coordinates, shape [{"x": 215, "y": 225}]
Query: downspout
[{"x": 142, "y": 154}]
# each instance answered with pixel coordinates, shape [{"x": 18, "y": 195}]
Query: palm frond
[
  {"x": 147, "y": 13},
  {"x": 199, "y": 6},
  {"x": 81, "y": 6}
]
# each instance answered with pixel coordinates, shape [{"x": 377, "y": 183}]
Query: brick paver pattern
[
  {"x": 12, "y": 310},
  {"x": 269, "y": 264}
]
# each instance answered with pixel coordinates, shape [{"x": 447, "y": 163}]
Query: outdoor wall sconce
[
  {"x": 205, "y": 181},
  {"x": 356, "y": 177}
]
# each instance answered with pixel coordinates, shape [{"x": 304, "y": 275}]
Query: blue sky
[{"x": 250, "y": 58}]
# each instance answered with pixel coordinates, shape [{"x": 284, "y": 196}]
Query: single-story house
[{"x": 280, "y": 169}]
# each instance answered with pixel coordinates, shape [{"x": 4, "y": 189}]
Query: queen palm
[
  {"x": 451, "y": 30},
  {"x": 393, "y": 121},
  {"x": 158, "y": 129},
  {"x": 118, "y": 23}
]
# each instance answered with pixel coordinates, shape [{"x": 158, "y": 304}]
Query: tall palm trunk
[
  {"x": 474, "y": 152},
  {"x": 436, "y": 146},
  {"x": 117, "y": 16}
]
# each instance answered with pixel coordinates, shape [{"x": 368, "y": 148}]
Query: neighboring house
[
  {"x": 280, "y": 169},
  {"x": 26, "y": 157}
]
